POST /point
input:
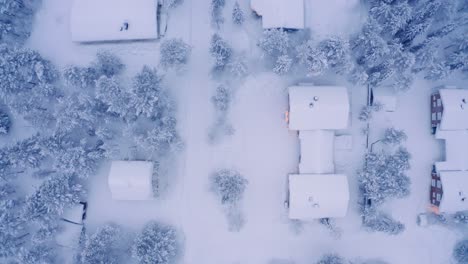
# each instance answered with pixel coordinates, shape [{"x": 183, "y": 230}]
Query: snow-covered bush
[
  {"x": 156, "y": 244},
  {"x": 108, "y": 64},
  {"x": 237, "y": 14},
  {"x": 375, "y": 221},
  {"x": 332, "y": 259},
  {"x": 174, "y": 53},
  {"x": 274, "y": 42},
  {"x": 460, "y": 252},
  {"x": 217, "y": 12},
  {"x": 52, "y": 198},
  {"x": 221, "y": 101},
  {"x": 283, "y": 64},
  {"x": 238, "y": 67},
  {"x": 222, "y": 98},
  {"x": 384, "y": 175},
  {"x": 312, "y": 57},
  {"x": 221, "y": 51},
  {"x": 228, "y": 185},
  {"x": 394, "y": 136},
  {"x": 80, "y": 77},
  {"x": 104, "y": 246},
  {"x": 5, "y": 123},
  {"x": 367, "y": 111}
]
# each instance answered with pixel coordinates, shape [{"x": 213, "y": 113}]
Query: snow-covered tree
[
  {"x": 116, "y": 99},
  {"x": 369, "y": 47},
  {"x": 437, "y": 71},
  {"x": 274, "y": 42},
  {"x": 375, "y": 221},
  {"x": 238, "y": 17},
  {"x": 222, "y": 98},
  {"x": 104, "y": 246},
  {"x": 16, "y": 19},
  {"x": 460, "y": 252},
  {"x": 149, "y": 96},
  {"x": 173, "y": 3},
  {"x": 238, "y": 67},
  {"x": 228, "y": 185},
  {"x": 5, "y": 123},
  {"x": 312, "y": 57},
  {"x": 283, "y": 64},
  {"x": 38, "y": 253},
  {"x": 78, "y": 160},
  {"x": 337, "y": 53},
  {"x": 402, "y": 82},
  {"x": 221, "y": 51},
  {"x": 380, "y": 73},
  {"x": 391, "y": 15},
  {"x": 156, "y": 244},
  {"x": 80, "y": 77},
  {"x": 51, "y": 198},
  {"x": 26, "y": 153},
  {"x": 174, "y": 53},
  {"x": 108, "y": 64},
  {"x": 74, "y": 112},
  {"x": 162, "y": 139},
  {"x": 217, "y": 6},
  {"x": 331, "y": 259},
  {"x": 384, "y": 175},
  {"x": 394, "y": 136}
]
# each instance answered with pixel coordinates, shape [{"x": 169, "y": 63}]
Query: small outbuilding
[
  {"x": 318, "y": 107},
  {"x": 315, "y": 196},
  {"x": 131, "y": 180},
  {"x": 113, "y": 20},
  {"x": 286, "y": 14}
]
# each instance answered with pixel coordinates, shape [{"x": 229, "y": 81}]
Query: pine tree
[
  {"x": 217, "y": 12},
  {"x": 460, "y": 252},
  {"x": 229, "y": 186},
  {"x": 283, "y": 65},
  {"x": 108, "y": 64},
  {"x": 80, "y": 77},
  {"x": 37, "y": 254},
  {"x": 5, "y": 123},
  {"x": 312, "y": 57},
  {"x": 237, "y": 14},
  {"x": 174, "y": 53},
  {"x": 26, "y": 153},
  {"x": 331, "y": 259},
  {"x": 104, "y": 246},
  {"x": 222, "y": 98},
  {"x": 156, "y": 244},
  {"x": 274, "y": 42},
  {"x": 116, "y": 99},
  {"x": 337, "y": 53},
  {"x": 221, "y": 51},
  {"x": 394, "y": 136},
  {"x": 375, "y": 221},
  {"x": 148, "y": 94}
]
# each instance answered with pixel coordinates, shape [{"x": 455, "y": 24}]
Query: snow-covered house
[
  {"x": 287, "y": 14},
  {"x": 131, "y": 180},
  {"x": 449, "y": 178},
  {"x": 114, "y": 20},
  {"x": 314, "y": 196},
  {"x": 316, "y": 112}
]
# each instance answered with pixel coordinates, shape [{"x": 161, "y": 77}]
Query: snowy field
[{"x": 262, "y": 148}]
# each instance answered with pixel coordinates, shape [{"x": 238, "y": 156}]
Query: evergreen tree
[
  {"x": 221, "y": 51},
  {"x": 460, "y": 252},
  {"x": 26, "y": 153},
  {"x": 156, "y": 244},
  {"x": 76, "y": 112},
  {"x": 237, "y": 14},
  {"x": 274, "y": 42},
  {"x": 104, "y": 246},
  {"x": 394, "y": 136},
  {"x": 283, "y": 65},
  {"x": 217, "y": 12},
  {"x": 37, "y": 254},
  {"x": 149, "y": 97},
  {"x": 331, "y": 259},
  {"x": 16, "y": 19},
  {"x": 80, "y": 77},
  {"x": 222, "y": 98},
  {"x": 229, "y": 186},
  {"x": 5, "y": 123},
  {"x": 116, "y": 99},
  {"x": 312, "y": 57},
  {"x": 107, "y": 64},
  {"x": 337, "y": 53},
  {"x": 174, "y": 53},
  {"x": 380, "y": 222}
]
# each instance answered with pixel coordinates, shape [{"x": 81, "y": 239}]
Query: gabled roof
[
  {"x": 288, "y": 14},
  {"x": 318, "y": 107},
  {"x": 455, "y": 103},
  {"x": 456, "y": 150},
  {"x": 317, "y": 151},
  {"x": 103, "y": 20},
  {"x": 455, "y": 191},
  {"x": 313, "y": 196},
  {"x": 131, "y": 180}
]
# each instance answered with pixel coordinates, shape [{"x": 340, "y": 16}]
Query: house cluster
[
  {"x": 316, "y": 191},
  {"x": 449, "y": 178}
]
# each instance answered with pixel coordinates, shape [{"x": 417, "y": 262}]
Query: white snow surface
[
  {"x": 131, "y": 180},
  {"x": 74, "y": 214},
  {"x": 456, "y": 147},
  {"x": 317, "y": 151},
  {"x": 318, "y": 107},
  {"x": 103, "y": 20},
  {"x": 455, "y": 196},
  {"x": 315, "y": 196},
  {"x": 280, "y": 13},
  {"x": 455, "y": 114},
  {"x": 262, "y": 149}
]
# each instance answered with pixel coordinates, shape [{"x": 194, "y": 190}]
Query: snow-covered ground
[{"x": 262, "y": 149}]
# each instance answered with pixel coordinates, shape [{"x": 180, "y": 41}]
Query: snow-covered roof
[
  {"x": 318, "y": 107},
  {"x": 455, "y": 114},
  {"x": 455, "y": 191},
  {"x": 385, "y": 96},
  {"x": 313, "y": 196},
  {"x": 104, "y": 20},
  {"x": 317, "y": 151},
  {"x": 74, "y": 214},
  {"x": 456, "y": 147},
  {"x": 288, "y": 14},
  {"x": 131, "y": 180}
]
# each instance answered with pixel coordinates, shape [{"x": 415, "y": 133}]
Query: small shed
[
  {"x": 113, "y": 20},
  {"x": 287, "y": 14},
  {"x": 318, "y": 107},
  {"x": 314, "y": 196},
  {"x": 317, "y": 151},
  {"x": 455, "y": 191},
  {"x": 131, "y": 180},
  {"x": 385, "y": 96}
]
